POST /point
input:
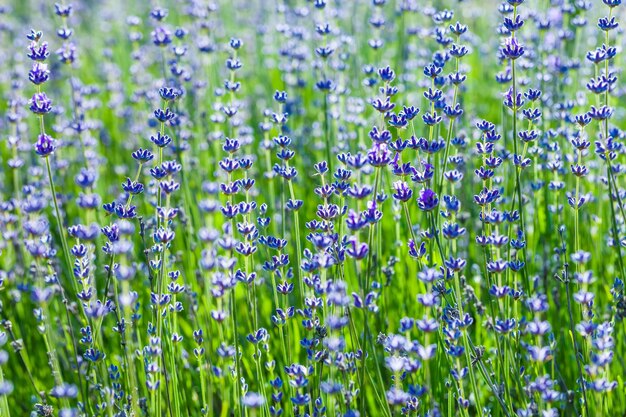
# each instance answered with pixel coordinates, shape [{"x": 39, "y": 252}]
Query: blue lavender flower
[{"x": 427, "y": 200}]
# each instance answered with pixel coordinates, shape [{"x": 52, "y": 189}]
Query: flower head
[
  {"x": 45, "y": 145},
  {"x": 427, "y": 200}
]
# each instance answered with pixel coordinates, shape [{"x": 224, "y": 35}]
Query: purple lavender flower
[
  {"x": 45, "y": 145},
  {"x": 40, "y": 104},
  {"x": 427, "y": 200}
]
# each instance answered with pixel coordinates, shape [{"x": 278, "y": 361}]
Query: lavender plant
[{"x": 312, "y": 208}]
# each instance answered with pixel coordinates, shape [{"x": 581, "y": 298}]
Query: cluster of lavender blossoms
[{"x": 313, "y": 208}]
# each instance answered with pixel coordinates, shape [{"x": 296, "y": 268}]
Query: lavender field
[{"x": 270, "y": 208}]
